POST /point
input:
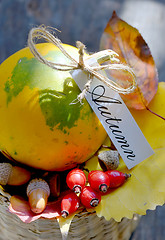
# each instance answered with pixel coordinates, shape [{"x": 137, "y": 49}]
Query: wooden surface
[{"x": 85, "y": 20}]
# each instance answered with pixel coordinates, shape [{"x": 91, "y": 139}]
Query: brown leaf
[{"x": 133, "y": 51}]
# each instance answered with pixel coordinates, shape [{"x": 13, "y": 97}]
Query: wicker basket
[{"x": 85, "y": 226}]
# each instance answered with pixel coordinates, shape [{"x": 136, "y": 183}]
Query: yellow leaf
[
  {"x": 93, "y": 164},
  {"x": 107, "y": 142},
  {"x": 152, "y": 126},
  {"x": 64, "y": 224},
  {"x": 145, "y": 189}
]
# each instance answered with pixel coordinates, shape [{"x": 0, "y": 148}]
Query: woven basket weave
[{"x": 85, "y": 226}]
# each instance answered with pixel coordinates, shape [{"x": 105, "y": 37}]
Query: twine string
[{"x": 93, "y": 71}]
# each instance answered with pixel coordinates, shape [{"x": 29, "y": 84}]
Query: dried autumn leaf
[
  {"x": 20, "y": 207},
  {"x": 145, "y": 189},
  {"x": 133, "y": 51}
]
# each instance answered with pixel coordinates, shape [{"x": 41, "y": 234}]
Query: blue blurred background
[
  {"x": 85, "y": 20},
  {"x": 81, "y": 20}
]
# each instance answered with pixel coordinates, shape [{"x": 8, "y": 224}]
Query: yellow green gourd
[{"x": 39, "y": 125}]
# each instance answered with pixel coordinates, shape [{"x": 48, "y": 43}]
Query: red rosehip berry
[
  {"x": 98, "y": 180},
  {"x": 116, "y": 178},
  {"x": 76, "y": 180},
  {"x": 89, "y": 197},
  {"x": 69, "y": 204}
]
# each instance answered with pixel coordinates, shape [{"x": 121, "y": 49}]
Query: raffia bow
[{"x": 93, "y": 71}]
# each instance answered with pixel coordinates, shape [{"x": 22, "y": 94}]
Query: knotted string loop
[{"x": 93, "y": 71}]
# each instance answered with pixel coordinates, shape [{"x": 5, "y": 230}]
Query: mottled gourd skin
[{"x": 38, "y": 124}]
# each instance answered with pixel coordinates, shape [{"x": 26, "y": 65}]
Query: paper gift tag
[{"x": 115, "y": 118}]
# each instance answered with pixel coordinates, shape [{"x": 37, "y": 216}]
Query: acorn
[
  {"x": 38, "y": 192},
  {"x": 13, "y": 175},
  {"x": 54, "y": 184},
  {"x": 109, "y": 160}
]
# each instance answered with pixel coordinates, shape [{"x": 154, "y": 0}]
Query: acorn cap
[
  {"x": 109, "y": 159},
  {"x": 5, "y": 171},
  {"x": 37, "y": 183}
]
